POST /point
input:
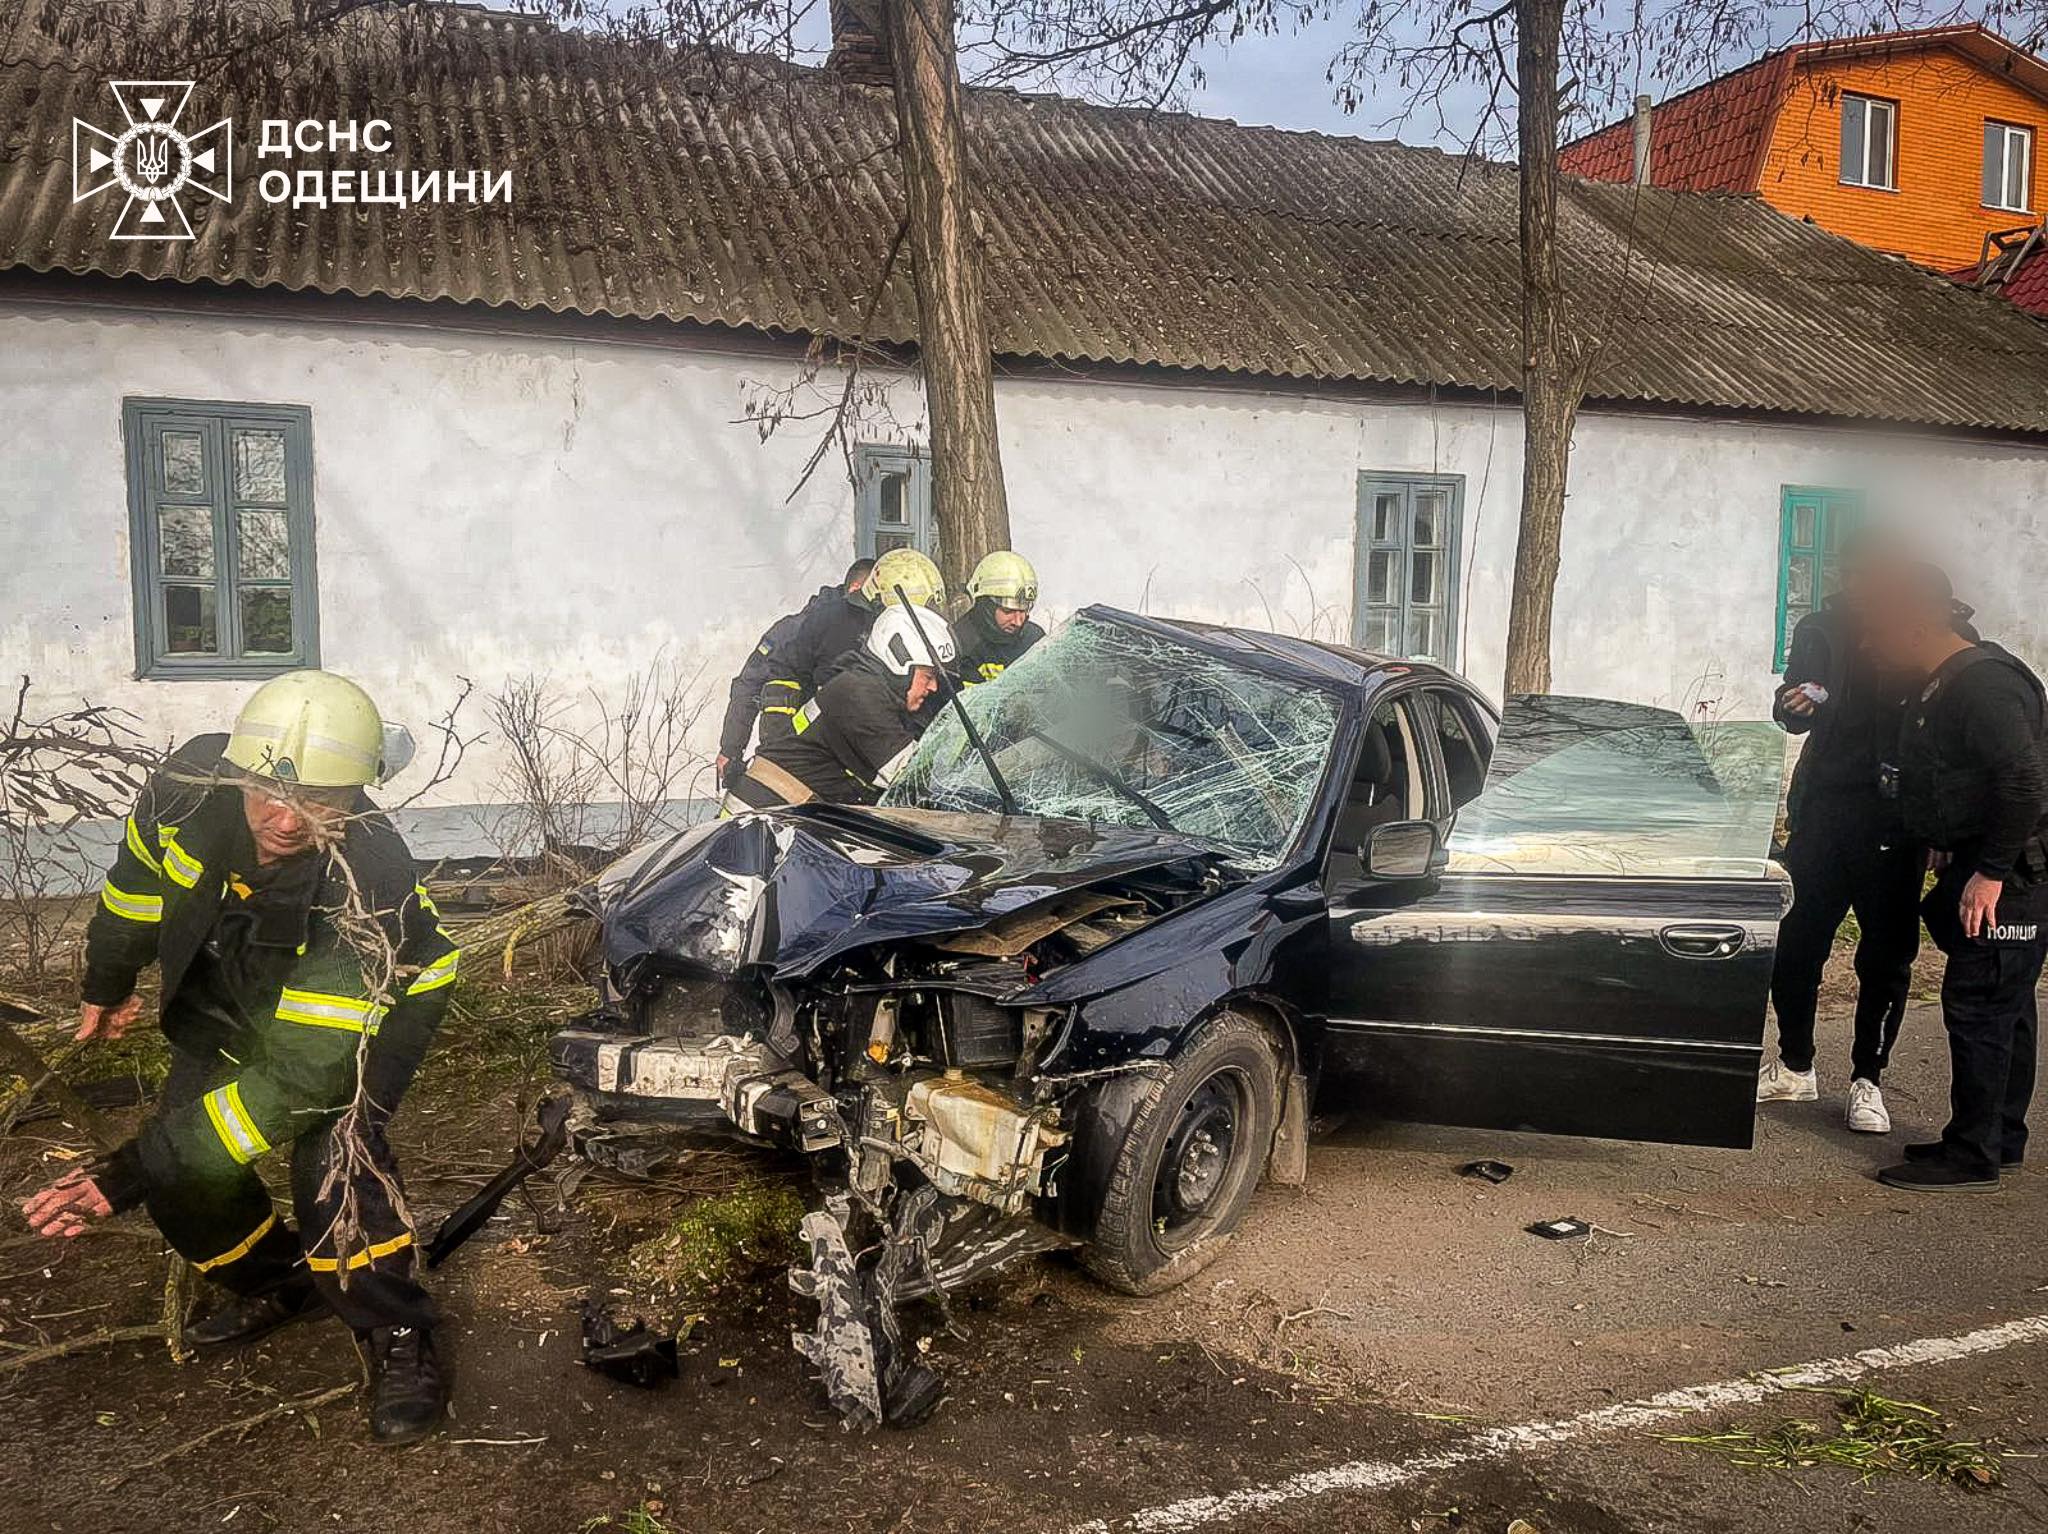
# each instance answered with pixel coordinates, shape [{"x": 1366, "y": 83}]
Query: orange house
[{"x": 1920, "y": 143}]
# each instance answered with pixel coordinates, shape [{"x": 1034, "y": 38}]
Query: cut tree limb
[{"x": 19, "y": 1056}]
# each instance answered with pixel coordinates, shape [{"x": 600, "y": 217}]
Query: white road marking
[{"x": 1625, "y": 1416}]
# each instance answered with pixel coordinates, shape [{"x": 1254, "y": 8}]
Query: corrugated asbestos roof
[{"x": 768, "y": 198}]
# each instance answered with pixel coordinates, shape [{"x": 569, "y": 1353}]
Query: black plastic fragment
[
  {"x": 1492, "y": 1171},
  {"x": 1559, "y": 1230},
  {"x": 632, "y": 1355}
]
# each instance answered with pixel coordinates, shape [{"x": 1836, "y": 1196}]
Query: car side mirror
[{"x": 1402, "y": 849}]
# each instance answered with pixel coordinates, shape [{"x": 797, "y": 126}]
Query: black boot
[
  {"x": 1937, "y": 1150},
  {"x": 1938, "y": 1176},
  {"x": 244, "y": 1318},
  {"x": 408, "y": 1395}
]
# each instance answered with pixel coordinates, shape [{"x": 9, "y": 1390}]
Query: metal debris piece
[
  {"x": 1559, "y": 1230},
  {"x": 1492, "y": 1171},
  {"x": 632, "y": 1355},
  {"x": 842, "y": 1346}
]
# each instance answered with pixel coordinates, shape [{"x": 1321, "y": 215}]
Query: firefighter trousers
[{"x": 227, "y": 1227}]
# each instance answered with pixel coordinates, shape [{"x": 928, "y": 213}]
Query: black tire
[{"x": 1157, "y": 1228}]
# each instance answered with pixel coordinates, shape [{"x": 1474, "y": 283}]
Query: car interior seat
[{"x": 1375, "y": 796}]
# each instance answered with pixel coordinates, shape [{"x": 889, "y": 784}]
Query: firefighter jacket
[
  {"x": 858, "y": 726},
  {"x": 826, "y": 632},
  {"x": 284, "y": 967},
  {"x": 986, "y": 650}
]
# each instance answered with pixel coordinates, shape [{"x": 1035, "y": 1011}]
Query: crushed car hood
[{"x": 794, "y": 888}]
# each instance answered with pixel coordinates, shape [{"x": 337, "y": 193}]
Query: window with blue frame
[
  {"x": 220, "y": 506},
  {"x": 1405, "y": 596},
  {"x": 894, "y": 489},
  {"x": 1811, "y": 525}
]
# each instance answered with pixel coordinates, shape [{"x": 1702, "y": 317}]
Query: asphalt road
[{"x": 1385, "y": 1350}]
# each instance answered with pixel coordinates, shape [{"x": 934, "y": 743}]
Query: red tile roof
[
  {"x": 2024, "y": 279},
  {"x": 1710, "y": 139}
]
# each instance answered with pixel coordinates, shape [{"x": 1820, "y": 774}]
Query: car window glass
[
  {"x": 1464, "y": 750},
  {"x": 1590, "y": 786},
  {"x": 1115, "y": 724}
]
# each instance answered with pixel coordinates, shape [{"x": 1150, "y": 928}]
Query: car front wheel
[{"x": 1187, "y": 1164}]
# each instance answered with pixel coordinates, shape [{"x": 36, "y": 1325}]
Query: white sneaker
[
  {"x": 1866, "y": 1108},
  {"x": 1779, "y": 1083}
]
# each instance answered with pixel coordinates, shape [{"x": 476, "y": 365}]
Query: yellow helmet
[
  {"x": 311, "y": 728},
  {"x": 1006, "y": 579},
  {"x": 918, "y": 576}
]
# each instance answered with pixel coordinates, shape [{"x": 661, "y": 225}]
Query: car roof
[{"x": 1302, "y": 660}]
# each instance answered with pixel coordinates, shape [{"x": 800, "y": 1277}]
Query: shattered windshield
[
  {"x": 1106, "y": 723},
  {"x": 1592, "y": 786}
]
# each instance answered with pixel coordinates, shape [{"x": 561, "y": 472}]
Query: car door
[{"x": 1593, "y": 955}]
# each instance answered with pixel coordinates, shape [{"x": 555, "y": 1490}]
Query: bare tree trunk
[
  {"x": 1550, "y": 395},
  {"x": 969, "y": 506}
]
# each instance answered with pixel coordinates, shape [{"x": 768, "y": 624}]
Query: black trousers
[
  {"x": 234, "y": 1235},
  {"x": 1843, "y": 860},
  {"x": 1990, "y": 1010}
]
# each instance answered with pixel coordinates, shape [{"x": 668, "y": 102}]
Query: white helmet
[{"x": 894, "y": 640}]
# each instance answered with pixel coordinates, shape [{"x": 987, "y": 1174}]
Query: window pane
[
  {"x": 1386, "y": 518},
  {"x": 186, "y": 536},
  {"x": 1379, "y": 575},
  {"x": 259, "y": 466},
  {"x": 2019, "y": 148},
  {"x": 184, "y": 463},
  {"x": 1805, "y": 532},
  {"x": 1799, "y": 583},
  {"x": 266, "y": 553},
  {"x": 1425, "y": 574},
  {"x": 1994, "y": 165},
  {"x": 266, "y": 620},
  {"x": 1429, "y": 519},
  {"x": 1880, "y": 144},
  {"x": 1425, "y": 633},
  {"x": 191, "y": 623},
  {"x": 886, "y": 541},
  {"x": 890, "y": 508},
  {"x": 1852, "y": 139},
  {"x": 1380, "y": 625}
]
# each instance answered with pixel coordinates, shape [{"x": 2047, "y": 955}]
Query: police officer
[
  {"x": 860, "y": 720},
  {"x": 1845, "y": 848},
  {"x": 997, "y": 629},
  {"x": 301, "y": 961},
  {"x": 1972, "y": 785},
  {"x": 743, "y": 698},
  {"x": 826, "y": 638}
]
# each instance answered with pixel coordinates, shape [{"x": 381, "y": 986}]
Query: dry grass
[{"x": 1872, "y": 1435}]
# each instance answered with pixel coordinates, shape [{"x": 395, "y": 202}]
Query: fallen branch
[
  {"x": 19, "y": 1056},
  {"x": 303, "y": 1403},
  {"x": 79, "y": 1344}
]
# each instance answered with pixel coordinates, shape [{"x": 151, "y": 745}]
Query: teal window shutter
[{"x": 1811, "y": 525}]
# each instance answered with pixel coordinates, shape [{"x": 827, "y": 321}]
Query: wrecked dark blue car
[{"x": 1086, "y": 972}]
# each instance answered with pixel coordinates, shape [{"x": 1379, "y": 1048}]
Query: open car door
[{"x": 1593, "y": 952}]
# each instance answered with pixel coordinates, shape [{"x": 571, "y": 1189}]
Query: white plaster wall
[{"x": 488, "y": 506}]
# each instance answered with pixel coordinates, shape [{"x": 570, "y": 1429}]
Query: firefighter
[
  {"x": 859, "y": 722},
  {"x": 304, "y": 971},
  {"x": 1971, "y": 778},
  {"x": 742, "y": 703},
  {"x": 828, "y": 634},
  {"x": 997, "y": 629}
]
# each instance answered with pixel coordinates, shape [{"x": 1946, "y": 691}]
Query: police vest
[{"x": 1944, "y": 800}]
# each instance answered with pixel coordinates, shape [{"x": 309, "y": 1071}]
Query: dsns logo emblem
[{"x": 152, "y": 160}]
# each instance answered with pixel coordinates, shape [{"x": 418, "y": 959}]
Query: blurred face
[
  {"x": 923, "y": 683},
  {"x": 1900, "y": 626},
  {"x": 1011, "y": 619},
  {"x": 284, "y": 823}
]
